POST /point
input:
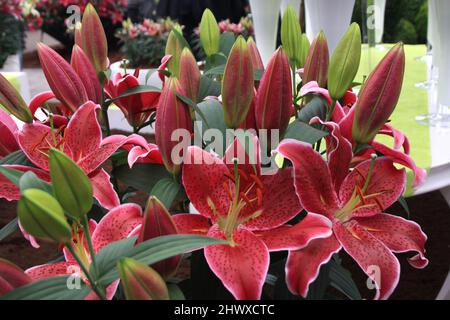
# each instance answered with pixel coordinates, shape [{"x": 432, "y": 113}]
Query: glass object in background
[
  {"x": 293, "y": 3},
  {"x": 380, "y": 8},
  {"x": 333, "y": 17},
  {"x": 265, "y": 14},
  {"x": 439, "y": 115}
]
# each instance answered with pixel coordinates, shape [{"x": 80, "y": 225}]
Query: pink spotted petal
[
  {"x": 103, "y": 189},
  {"x": 386, "y": 185},
  {"x": 39, "y": 100},
  {"x": 399, "y": 235},
  {"x": 303, "y": 266},
  {"x": 116, "y": 225},
  {"x": 312, "y": 178},
  {"x": 313, "y": 88},
  {"x": 339, "y": 151},
  {"x": 242, "y": 268},
  {"x": 32, "y": 240},
  {"x": 51, "y": 270},
  {"x": 296, "y": 237},
  {"x": 189, "y": 223},
  {"x": 400, "y": 139},
  {"x": 83, "y": 134},
  {"x": 279, "y": 202},
  {"x": 248, "y": 163},
  {"x": 9, "y": 190},
  {"x": 402, "y": 159},
  {"x": 204, "y": 176},
  {"x": 373, "y": 257},
  {"x": 150, "y": 154}
]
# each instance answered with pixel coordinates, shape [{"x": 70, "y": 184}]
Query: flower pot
[
  {"x": 153, "y": 79},
  {"x": 265, "y": 15},
  {"x": 12, "y": 64}
]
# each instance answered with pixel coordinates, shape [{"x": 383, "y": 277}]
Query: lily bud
[
  {"x": 77, "y": 35},
  {"x": 11, "y": 277},
  {"x": 62, "y": 78},
  {"x": 171, "y": 114},
  {"x": 85, "y": 70},
  {"x": 42, "y": 216},
  {"x": 93, "y": 39},
  {"x": 291, "y": 34},
  {"x": 316, "y": 66},
  {"x": 209, "y": 33},
  {"x": 72, "y": 187},
  {"x": 158, "y": 222},
  {"x": 274, "y": 98},
  {"x": 174, "y": 48},
  {"x": 344, "y": 62},
  {"x": 13, "y": 102},
  {"x": 255, "y": 55},
  {"x": 237, "y": 84},
  {"x": 379, "y": 95},
  {"x": 304, "y": 51},
  {"x": 141, "y": 282},
  {"x": 189, "y": 74}
]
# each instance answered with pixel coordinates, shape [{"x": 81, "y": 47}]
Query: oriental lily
[
  {"x": 82, "y": 141},
  {"x": 354, "y": 203},
  {"x": 8, "y": 127},
  {"x": 118, "y": 224},
  {"x": 250, "y": 210}
]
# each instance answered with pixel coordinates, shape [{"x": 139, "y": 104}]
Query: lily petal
[
  {"x": 116, "y": 225},
  {"x": 9, "y": 190},
  {"x": 103, "y": 189},
  {"x": 399, "y": 235},
  {"x": 374, "y": 258},
  {"x": 242, "y": 267},
  {"x": 296, "y": 237},
  {"x": 189, "y": 223},
  {"x": 312, "y": 179},
  {"x": 8, "y": 128},
  {"x": 51, "y": 270},
  {"x": 303, "y": 266}
]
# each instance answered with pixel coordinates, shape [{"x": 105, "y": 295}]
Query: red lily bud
[
  {"x": 250, "y": 120},
  {"x": 379, "y": 95},
  {"x": 158, "y": 222},
  {"x": 237, "y": 84},
  {"x": 11, "y": 277},
  {"x": 274, "y": 98},
  {"x": 77, "y": 35},
  {"x": 12, "y": 101},
  {"x": 255, "y": 55},
  {"x": 141, "y": 282},
  {"x": 62, "y": 78},
  {"x": 172, "y": 114},
  {"x": 93, "y": 39},
  {"x": 316, "y": 66},
  {"x": 189, "y": 74},
  {"x": 83, "y": 67}
]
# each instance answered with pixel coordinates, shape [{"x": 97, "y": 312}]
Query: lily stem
[
  {"x": 94, "y": 285},
  {"x": 87, "y": 233}
]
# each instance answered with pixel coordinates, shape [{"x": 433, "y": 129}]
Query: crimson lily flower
[
  {"x": 250, "y": 210},
  {"x": 8, "y": 127},
  {"x": 344, "y": 116},
  {"x": 142, "y": 152},
  {"x": 82, "y": 141},
  {"x": 354, "y": 203},
  {"x": 118, "y": 224}
]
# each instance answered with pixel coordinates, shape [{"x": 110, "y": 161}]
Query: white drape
[{"x": 442, "y": 9}]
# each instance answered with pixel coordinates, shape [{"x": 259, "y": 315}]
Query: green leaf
[
  {"x": 54, "y": 288},
  {"x": 226, "y": 42},
  {"x": 315, "y": 108},
  {"x": 10, "y": 228},
  {"x": 208, "y": 87},
  {"x": 166, "y": 191},
  {"x": 143, "y": 176},
  {"x": 303, "y": 132},
  {"x": 219, "y": 70},
  {"x": 213, "y": 111},
  {"x": 318, "y": 288},
  {"x": 18, "y": 158},
  {"x": 160, "y": 248},
  {"x": 30, "y": 180},
  {"x": 12, "y": 175},
  {"x": 71, "y": 185},
  {"x": 135, "y": 90},
  {"x": 341, "y": 279},
  {"x": 404, "y": 205},
  {"x": 175, "y": 292}
]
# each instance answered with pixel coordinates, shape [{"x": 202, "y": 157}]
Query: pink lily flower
[
  {"x": 355, "y": 206},
  {"x": 250, "y": 210},
  {"x": 142, "y": 152},
  {"x": 344, "y": 118},
  {"x": 82, "y": 141},
  {"x": 8, "y": 127},
  {"x": 118, "y": 224}
]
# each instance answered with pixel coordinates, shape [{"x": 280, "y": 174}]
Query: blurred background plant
[{"x": 11, "y": 29}]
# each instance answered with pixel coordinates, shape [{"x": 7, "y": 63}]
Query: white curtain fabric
[
  {"x": 331, "y": 16},
  {"x": 380, "y": 6},
  {"x": 265, "y": 15},
  {"x": 434, "y": 32},
  {"x": 293, "y": 3},
  {"x": 442, "y": 9}
]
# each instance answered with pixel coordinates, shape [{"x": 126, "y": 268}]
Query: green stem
[
  {"x": 94, "y": 285},
  {"x": 87, "y": 234}
]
